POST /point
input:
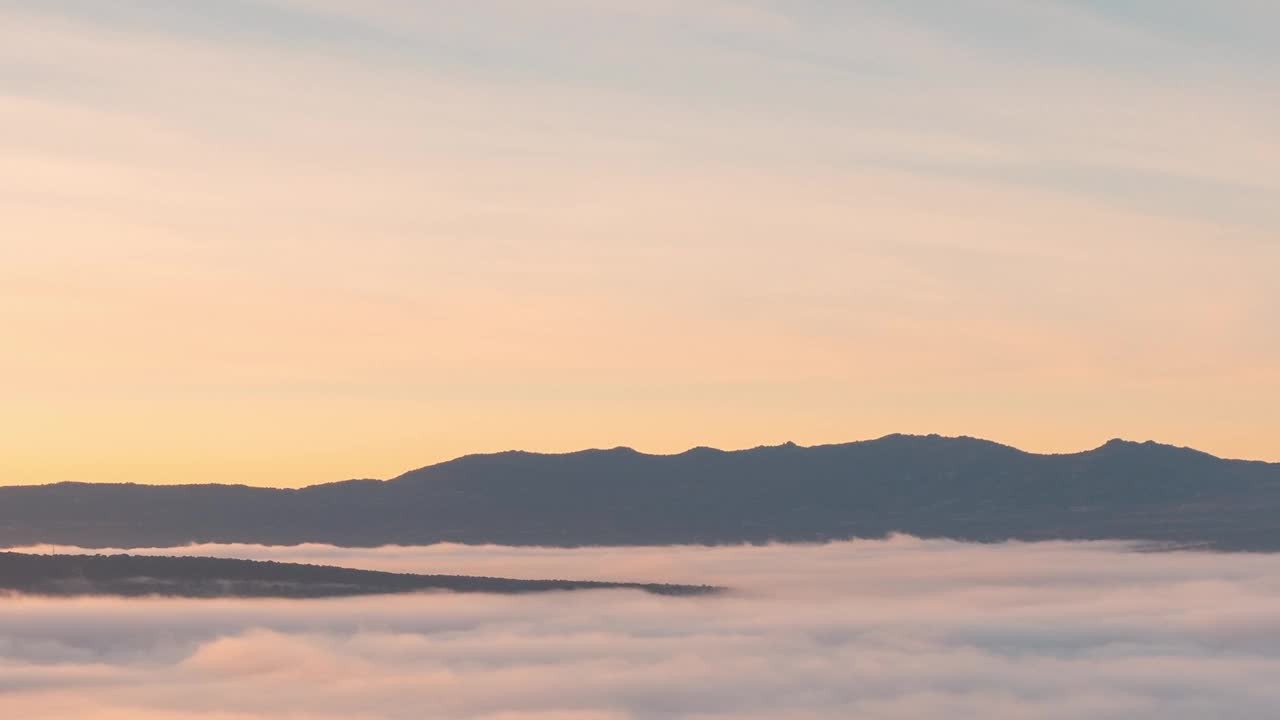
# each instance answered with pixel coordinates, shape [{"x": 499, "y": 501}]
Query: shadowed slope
[{"x": 134, "y": 575}]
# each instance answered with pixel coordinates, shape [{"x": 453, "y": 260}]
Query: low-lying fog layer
[{"x": 896, "y": 629}]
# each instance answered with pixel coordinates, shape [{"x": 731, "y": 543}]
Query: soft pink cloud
[{"x": 902, "y": 628}]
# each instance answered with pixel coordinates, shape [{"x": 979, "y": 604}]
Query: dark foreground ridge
[
  {"x": 205, "y": 577},
  {"x": 929, "y": 486}
]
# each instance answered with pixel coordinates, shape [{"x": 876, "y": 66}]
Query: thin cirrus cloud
[
  {"x": 894, "y": 629},
  {"x": 284, "y": 242}
]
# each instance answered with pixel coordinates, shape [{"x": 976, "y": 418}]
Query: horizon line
[{"x": 629, "y": 449}]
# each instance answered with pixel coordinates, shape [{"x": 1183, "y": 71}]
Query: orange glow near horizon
[{"x": 215, "y": 268}]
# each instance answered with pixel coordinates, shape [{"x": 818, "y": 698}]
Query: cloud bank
[{"x": 894, "y": 629}]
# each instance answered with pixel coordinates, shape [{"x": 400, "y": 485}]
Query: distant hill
[
  {"x": 203, "y": 577},
  {"x": 930, "y": 486}
]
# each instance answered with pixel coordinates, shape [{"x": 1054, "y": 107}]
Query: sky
[
  {"x": 281, "y": 242},
  {"x": 896, "y": 629}
]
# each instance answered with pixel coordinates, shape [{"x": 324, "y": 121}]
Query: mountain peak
[
  {"x": 1117, "y": 443},
  {"x": 957, "y": 487},
  {"x": 1150, "y": 449}
]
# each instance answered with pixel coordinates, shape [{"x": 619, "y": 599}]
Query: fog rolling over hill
[{"x": 930, "y": 486}]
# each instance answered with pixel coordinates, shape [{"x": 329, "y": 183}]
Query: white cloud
[{"x": 895, "y": 629}]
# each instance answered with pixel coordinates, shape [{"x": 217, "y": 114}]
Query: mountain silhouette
[
  {"x": 931, "y": 486},
  {"x": 203, "y": 577}
]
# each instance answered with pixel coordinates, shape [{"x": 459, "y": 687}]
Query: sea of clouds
[{"x": 894, "y": 629}]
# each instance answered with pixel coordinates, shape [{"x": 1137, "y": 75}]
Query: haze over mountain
[{"x": 931, "y": 486}]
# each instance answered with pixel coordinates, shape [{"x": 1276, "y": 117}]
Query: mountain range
[{"x": 931, "y": 486}]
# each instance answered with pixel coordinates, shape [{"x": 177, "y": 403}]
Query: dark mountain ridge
[{"x": 932, "y": 486}]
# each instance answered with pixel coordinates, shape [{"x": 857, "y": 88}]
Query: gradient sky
[{"x": 293, "y": 241}]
